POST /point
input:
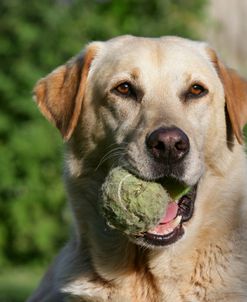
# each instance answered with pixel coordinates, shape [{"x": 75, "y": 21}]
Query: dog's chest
[
  {"x": 208, "y": 275},
  {"x": 214, "y": 273}
]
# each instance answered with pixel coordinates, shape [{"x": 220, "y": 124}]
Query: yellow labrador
[{"x": 162, "y": 107}]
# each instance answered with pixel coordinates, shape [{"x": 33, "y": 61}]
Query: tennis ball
[
  {"x": 175, "y": 189},
  {"x": 131, "y": 204}
]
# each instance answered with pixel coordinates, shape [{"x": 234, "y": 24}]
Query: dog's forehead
[{"x": 165, "y": 54}]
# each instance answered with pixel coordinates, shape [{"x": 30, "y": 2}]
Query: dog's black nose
[{"x": 168, "y": 144}]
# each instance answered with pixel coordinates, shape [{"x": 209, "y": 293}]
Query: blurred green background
[{"x": 35, "y": 37}]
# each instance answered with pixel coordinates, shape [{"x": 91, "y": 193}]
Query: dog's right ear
[
  {"x": 235, "y": 88},
  {"x": 60, "y": 94}
]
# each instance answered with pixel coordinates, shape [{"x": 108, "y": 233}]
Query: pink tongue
[
  {"x": 165, "y": 225},
  {"x": 171, "y": 213}
]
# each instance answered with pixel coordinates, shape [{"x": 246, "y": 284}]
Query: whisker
[
  {"x": 225, "y": 141},
  {"x": 110, "y": 154},
  {"x": 120, "y": 145}
]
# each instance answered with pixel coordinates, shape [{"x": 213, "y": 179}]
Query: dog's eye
[
  {"x": 196, "y": 90},
  {"x": 125, "y": 89}
]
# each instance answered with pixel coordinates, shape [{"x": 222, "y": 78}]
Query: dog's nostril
[
  {"x": 160, "y": 146},
  {"x": 181, "y": 145},
  {"x": 169, "y": 144}
]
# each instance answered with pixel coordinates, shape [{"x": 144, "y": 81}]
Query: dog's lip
[
  {"x": 184, "y": 214},
  {"x": 163, "y": 240}
]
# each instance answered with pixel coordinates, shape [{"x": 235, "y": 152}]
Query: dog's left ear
[
  {"x": 60, "y": 94},
  {"x": 235, "y": 89}
]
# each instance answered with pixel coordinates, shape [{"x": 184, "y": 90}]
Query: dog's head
[{"x": 159, "y": 107}]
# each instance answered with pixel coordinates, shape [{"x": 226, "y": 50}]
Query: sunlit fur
[{"x": 209, "y": 263}]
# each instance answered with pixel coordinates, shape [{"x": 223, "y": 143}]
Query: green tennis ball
[
  {"x": 130, "y": 204},
  {"x": 176, "y": 189},
  {"x": 133, "y": 205}
]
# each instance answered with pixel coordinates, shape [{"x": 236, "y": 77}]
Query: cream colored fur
[{"x": 209, "y": 263}]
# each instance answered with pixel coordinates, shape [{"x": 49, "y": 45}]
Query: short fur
[{"x": 102, "y": 129}]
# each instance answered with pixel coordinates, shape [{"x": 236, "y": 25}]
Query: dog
[{"x": 159, "y": 107}]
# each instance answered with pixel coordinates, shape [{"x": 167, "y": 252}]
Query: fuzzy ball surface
[{"x": 130, "y": 204}]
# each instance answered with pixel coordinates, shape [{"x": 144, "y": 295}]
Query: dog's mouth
[{"x": 171, "y": 228}]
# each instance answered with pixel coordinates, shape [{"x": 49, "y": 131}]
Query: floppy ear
[
  {"x": 60, "y": 94},
  {"x": 235, "y": 94}
]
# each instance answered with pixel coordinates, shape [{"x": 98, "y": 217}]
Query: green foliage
[
  {"x": 35, "y": 37},
  {"x": 16, "y": 284}
]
